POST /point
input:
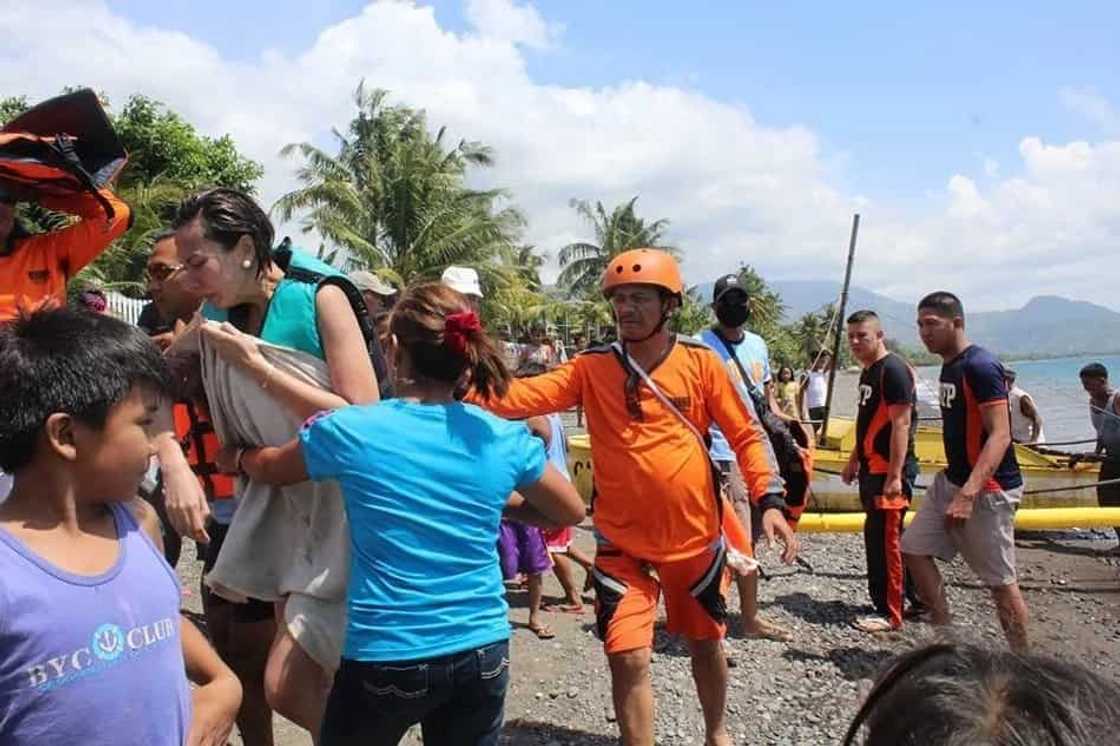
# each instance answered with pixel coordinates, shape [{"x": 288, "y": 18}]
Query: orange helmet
[{"x": 645, "y": 267}]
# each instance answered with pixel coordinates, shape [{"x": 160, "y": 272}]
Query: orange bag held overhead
[
  {"x": 61, "y": 155},
  {"x": 62, "y": 147}
]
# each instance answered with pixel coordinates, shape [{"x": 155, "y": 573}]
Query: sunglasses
[{"x": 163, "y": 272}]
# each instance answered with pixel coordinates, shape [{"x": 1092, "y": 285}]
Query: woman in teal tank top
[{"x": 224, "y": 240}]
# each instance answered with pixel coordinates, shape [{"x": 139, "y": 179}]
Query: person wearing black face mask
[{"x": 747, "y": 360}]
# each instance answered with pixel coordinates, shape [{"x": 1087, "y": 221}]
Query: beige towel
[{"x": 288, "y": 542}]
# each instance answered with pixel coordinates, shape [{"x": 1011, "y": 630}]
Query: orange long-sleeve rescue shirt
[
  {"x": 655, "y": 491},
  {"x": 37, "y": 269}
]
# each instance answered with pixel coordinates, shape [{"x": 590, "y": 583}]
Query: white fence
[{"x": 124, "y": 308}]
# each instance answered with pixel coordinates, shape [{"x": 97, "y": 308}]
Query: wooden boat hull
[{"x": 830, "y": 495}]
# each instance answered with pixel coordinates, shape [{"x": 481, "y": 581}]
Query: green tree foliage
[
  {"x": 11, "y": 107},
  {"x": 163, "y": 146},
  {"x": 168, "y": 159},
  {"x": 621, "y": 229},
  {"x": 394, "y": 196}
]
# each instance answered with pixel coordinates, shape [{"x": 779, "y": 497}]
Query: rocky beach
[{"x": 800, "y": 693}]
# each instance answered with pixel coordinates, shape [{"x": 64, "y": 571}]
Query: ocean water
[
  {"x": 1054, "y": 385},
  {"x": 1056, "y": 389}
]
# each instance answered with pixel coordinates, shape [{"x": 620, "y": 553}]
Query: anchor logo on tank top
[
  {"x": 109, "y": 645},
  {"x": 948, "y": 395},
  {"x": 108, "y": 642}
]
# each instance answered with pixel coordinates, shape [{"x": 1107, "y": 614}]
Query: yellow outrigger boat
[{"x": 1041, "y": 471}]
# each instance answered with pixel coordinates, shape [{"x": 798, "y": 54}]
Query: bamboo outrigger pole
[{"x": 839, "y": 327}]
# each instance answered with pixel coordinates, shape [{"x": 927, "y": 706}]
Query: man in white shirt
[
  {"x": 1026, "y": 422},
  {"x": 815, "y": 387}
]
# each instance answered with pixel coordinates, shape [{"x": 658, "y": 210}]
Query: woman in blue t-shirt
[{"x": 426, "y": 480}]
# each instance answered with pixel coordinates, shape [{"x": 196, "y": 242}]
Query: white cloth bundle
[{"x": 288, "y": 542}]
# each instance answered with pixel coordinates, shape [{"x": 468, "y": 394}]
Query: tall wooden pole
[{"x": 839, "y": 326}]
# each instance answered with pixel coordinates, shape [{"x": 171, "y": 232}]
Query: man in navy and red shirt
[
  {"x": 970, "y": 507},
  {"x": 883, "y": 461}
]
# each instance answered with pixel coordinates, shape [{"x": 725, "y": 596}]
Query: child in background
[
  {"x": 559, "y": 541},
  {"x": 788, "y": 392},
  {"x": 93, "y": 645},
  {"x": 522, "y": 552},
  {"x": 425, "y": 479}
]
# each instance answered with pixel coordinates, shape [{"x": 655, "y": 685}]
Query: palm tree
[
  {"x": 584, "y": 262},
  {"x": 394, "y": 196},
  {"x": 694, "y": 313},
  {"x": 121, "y": 267}
]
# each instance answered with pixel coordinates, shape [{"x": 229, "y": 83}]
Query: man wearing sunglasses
[
  {"x": 171, "y": 302},
  {"x": 241, "y": 633}
]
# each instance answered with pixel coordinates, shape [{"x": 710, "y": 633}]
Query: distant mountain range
[{"x": 1047, "y": 326}]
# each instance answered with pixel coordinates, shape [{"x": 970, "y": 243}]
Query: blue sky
[
  {"x": 909, "y": 92},
  {"x": 980, "y": 142}
]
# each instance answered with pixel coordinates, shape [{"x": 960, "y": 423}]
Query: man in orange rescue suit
[
  {"x": 34, "y": 268},
  {"x": 657, "y": 511}
]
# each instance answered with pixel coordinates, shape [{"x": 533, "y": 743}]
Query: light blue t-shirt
[
  {"x": 754, "y": 356},
  {"x": 424, "y": 486},
  {"x": 558, "y": 446}
]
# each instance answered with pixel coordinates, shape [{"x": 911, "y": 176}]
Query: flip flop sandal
[
  {"x": 563, "y": 608},
  {"x": 873, "y": 624},
  {"x": 543, "y": 632},
  {"x": 777, "y": 634}
]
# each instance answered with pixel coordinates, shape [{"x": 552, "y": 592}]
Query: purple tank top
[{"x": 91, "y": 659}]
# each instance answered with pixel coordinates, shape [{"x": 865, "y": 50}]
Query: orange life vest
[{"x": 200, "y": 445}]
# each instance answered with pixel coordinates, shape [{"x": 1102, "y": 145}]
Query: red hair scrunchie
[{"x": 458, "y": 328}]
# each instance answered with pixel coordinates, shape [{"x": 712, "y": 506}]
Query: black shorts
[{"x": 253, "y": 610}]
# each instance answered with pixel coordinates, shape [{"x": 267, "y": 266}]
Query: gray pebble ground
[{"x": 804, "y": 692}]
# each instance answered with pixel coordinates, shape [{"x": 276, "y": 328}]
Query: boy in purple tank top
[{"x": 92, "y": 646}]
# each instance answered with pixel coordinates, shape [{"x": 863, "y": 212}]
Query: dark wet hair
[
  {"x": 419, "y": 321},
  {"x": 1094, "y": 370},
  {"x": 943, "y": 303},
  {"x": 227, "y": 215},
  {"x": 951, "y": 695},
  {"x": 161, "y": 235},
  {"x": 861, "y": 316},
  {"x": 72, "y": 362}
]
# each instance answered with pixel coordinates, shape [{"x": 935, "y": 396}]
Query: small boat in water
[{"x": 1041, "y": 471}]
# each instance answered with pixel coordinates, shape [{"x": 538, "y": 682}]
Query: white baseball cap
[
  {"x": 365, "y": 280},
  {"x": 463, "y": 279}
]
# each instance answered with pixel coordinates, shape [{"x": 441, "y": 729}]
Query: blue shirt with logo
[
  {"x": 970, "y": 382},
  {"x": 754, "y": 356},
  {"x": 424, "y": 486}
]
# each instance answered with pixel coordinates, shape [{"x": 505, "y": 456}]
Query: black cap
[{"x": 725, "y": 285}]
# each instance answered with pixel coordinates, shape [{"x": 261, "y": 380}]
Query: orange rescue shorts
[{"x": 627, "y": 590}]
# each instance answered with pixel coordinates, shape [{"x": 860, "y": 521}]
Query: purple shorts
[{"x": 521, "y": 549}]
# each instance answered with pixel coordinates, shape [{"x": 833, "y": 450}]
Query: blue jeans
[{"x": 457, "y": 699}]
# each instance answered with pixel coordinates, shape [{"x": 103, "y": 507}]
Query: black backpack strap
[
  {"x": 373, "y": 343},
  {"x": 759, "y": 405},
  {"x": 282, "y": 256}
]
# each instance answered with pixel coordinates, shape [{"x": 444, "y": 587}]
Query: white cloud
[
  {"x": 734, "y": 188},
  {"x": 510, "y": 21},
  {"x": 1094, "y": 107}
]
